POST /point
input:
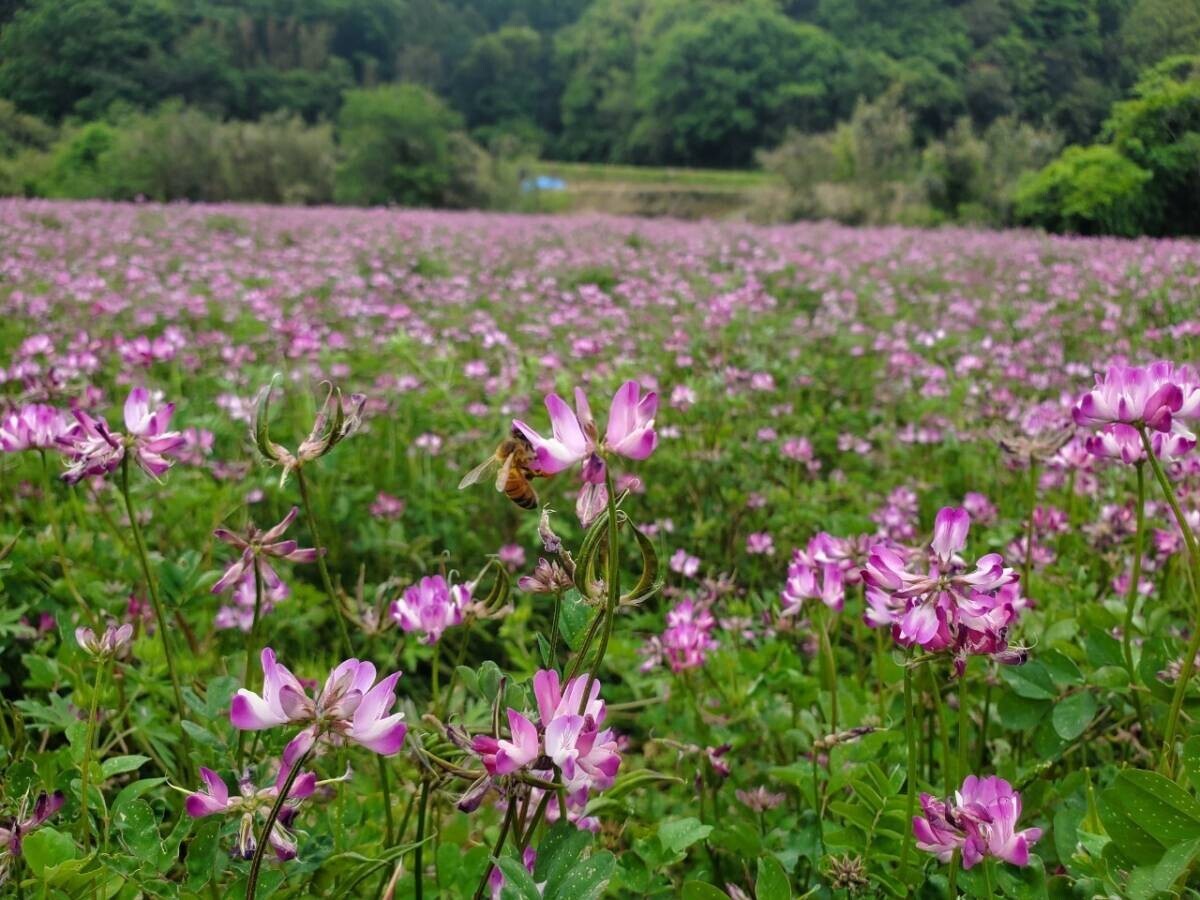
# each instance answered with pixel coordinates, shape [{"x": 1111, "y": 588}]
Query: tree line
[{"x": 709, "y": 83}]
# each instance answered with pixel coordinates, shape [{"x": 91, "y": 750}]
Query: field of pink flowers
[{"x": 855, "y": 562}]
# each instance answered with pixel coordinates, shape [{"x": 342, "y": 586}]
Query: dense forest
[{"x": 673, "y": 82}]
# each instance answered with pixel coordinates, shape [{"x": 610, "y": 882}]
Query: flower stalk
[{"x": 183, "y": 767}]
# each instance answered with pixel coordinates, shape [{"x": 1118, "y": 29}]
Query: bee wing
[
  {"x": 477, "y": 473},
  {"x": 502, "y": 475}
]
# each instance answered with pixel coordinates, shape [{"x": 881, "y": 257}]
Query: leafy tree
[
  {"x": 80, "y": 56},
  {"x": 716, "y": 89},
  {"x": 502, "y": 82},
  {"x": 401, "y": 144},
  {"x": 1159, "y": 130},
  {"x": 1087, "y": 190},
  {"x": 1156, "y": 29}
]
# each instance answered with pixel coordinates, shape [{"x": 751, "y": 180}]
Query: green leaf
[
  {"x": 1062, "y": 669},
  {"x": 1147, "y": 882},
  {"x": 1191, "y": 761},
  {"x": 517, "y": 880},
  {"x": 698, "y": 890},
  {"x": 1072, "y": 716},
  {"x": 46, "y": 847},
  {"x": 467, "y": 677},
  {"x": 772, "y": 882},
  {"x": 1166, "y": 811},
  {"x": 1030, "y": 680},
  {"x": 137, "y": 826},
  {"x": 544, "y": 650},
  {"x": 202, "y": 853},
  {"x": 586, "y": 880},
  {"x": 574, "y": 618},
  {"x": 489, "y": 680},
  {"x": 1103, "y": 649},
  {"x": 119, "y": 765},
  {"x": 558, "y": 852},
  {"x": 1129, "y": 838},
  {"x": 1017, "y": 713},
  {"x": 676, "y": 835}
]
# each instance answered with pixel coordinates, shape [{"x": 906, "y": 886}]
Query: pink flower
[
  {"x": 979, "y": 507},
  {"x": 512, "y": 555},
  {"x": 257, "y": 547},
  {"x": 685, "y": 564},
  {"x": 501, "y": 757},
  {"x": 760, "y": 543},
  {"x": 687, "y": 639},
  {"x": 385, "y": 506},
  {"x": 808, "y": 581},
  {"x": 114, "y": 642},
  {"x": 1124, "y": 443},
  {"x": 981, "y": 823},
  {"x": 95, "y": 450},
  {"x": 431, "y": 606},
  {"x": 350, "y": 707},
  {"x": 34, "y": 427},
  {"x": 948, "y": 606},
  {"x": 575, "y": 438},
  {"x": 1137, "y": 395}
]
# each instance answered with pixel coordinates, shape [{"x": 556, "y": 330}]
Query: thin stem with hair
[
  {"x": 910, "y": 737},
  {"x": 1167, "y": 757},
  {"x": 326, "y": 581},
  {"x": 508, "y": 817},
  {"x": 183, "y": 766},
  {"x": 1132, "y": 594},
  {"x": 85, "y": 769},
  {"x": 272, "y": 818}
]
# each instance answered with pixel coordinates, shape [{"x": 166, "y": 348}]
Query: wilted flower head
[
  {"x": 333, "y": 424},
  {"x": 258, "y": 547},
  {"x": 760, "y": 799},
  {"x": 112, "y": 643},
  {"x": 431, "y": 606},
  {"x": 548, "y": 577},
  {"x": 981, "y": 822}
]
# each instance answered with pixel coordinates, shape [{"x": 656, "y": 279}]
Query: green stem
[
  {"x": 272, "y": 817},
  {"x": 1166, "y": 759},
  {"x": 418, "y": 853},
  {"x": 252, "y": 634},
  {"x": 184, "y": 765},
  {"x": 326, "y": 581},
  {"x": 910, "y": 736},
  {"x": 86, "y": 767},
  {"x": 1132, "y": 594},
  {"x": 558, "y": 595},
  {"x": 508, "y": 817},
  {"x": 436, "y": 663},
  {"x": 943, "y": 726},
  {"x": 1027, "y": 569},
  {"x": 830, "y": 670},
  {"x": 389, "y": 825},
  {"x": 613, "y": 585}
]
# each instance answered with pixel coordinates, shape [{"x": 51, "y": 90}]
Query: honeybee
[{"x": 515, "y": 458}]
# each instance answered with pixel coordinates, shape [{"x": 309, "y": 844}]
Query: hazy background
[{"x": 1076, "y": 115}]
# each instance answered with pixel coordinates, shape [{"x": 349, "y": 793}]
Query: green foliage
[
  {"x": 403, "y": 145},
  {"x": 1145, "y": 179},
  {"x": 1087, "y": 190},
  {"x": 717, "y": 88}
]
